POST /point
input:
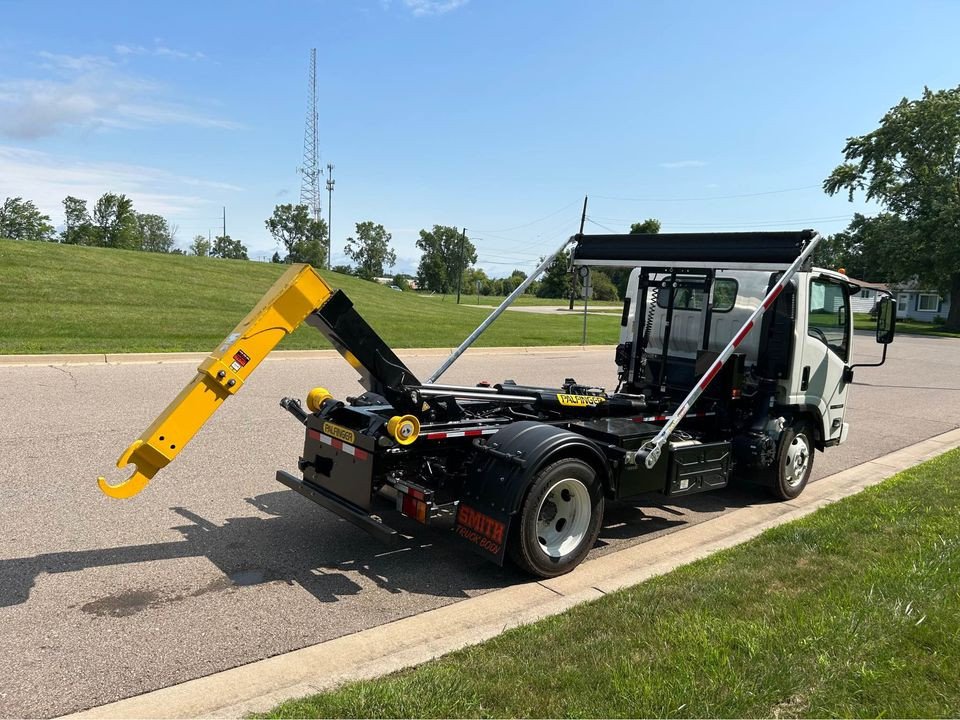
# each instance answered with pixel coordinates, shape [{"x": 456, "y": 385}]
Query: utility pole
[
  {"x": 330, "y": 184},
  {"x": 463, "y": 235}
]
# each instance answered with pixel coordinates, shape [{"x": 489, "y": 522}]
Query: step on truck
[{"x": 734, "y": 358}]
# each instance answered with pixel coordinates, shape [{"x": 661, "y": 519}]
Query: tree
[
  {"x": 910, "y": 165},
  {"x": 304, "y": 238},
  {"x": 557, "y": 280},
  {"x": 276, "y": 258},
  {"x": 21, "y": 220},
  {"x": 603, "y": 287},
  {"x": 371, "y": 250},
  {"x": 155, "y": 234},
  {"x": 650, "y": 226},
  {"x": 442, "y": 262},
  {"x": 78, "y": 227},
  {"x": 401, "y": 282},
  {"x": 200, "y": 246},
  {"x": 225, "y": 246},
  {"x": 115, "y": 222},
  {"x": 342, "y": 269}
]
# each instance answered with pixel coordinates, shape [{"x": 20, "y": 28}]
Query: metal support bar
[
  {"x": 496, "y": 313},
  {"x": 650, "y": 451}
]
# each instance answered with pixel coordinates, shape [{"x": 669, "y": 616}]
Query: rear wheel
[
  {"x": 794, "y": 461},
  {"x": 559, "y": 520}
]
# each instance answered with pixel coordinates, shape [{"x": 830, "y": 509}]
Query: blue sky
[{"x": 497, "y": 116}]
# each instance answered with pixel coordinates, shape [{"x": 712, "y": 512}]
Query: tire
[
  {"x": 559, "y": 519},
  {"x": 794, "y": 461}
]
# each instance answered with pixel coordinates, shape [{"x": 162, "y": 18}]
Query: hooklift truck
[{"x": 734, "y": 354}]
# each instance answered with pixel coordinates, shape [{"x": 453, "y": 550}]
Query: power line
[
  {"x": 710, "y": 197},
  {"x": 532, "y": 222}
]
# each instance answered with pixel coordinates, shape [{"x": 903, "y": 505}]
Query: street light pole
[{"x": 330, "y": 183}]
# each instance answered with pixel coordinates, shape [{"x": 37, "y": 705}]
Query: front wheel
[
  {"x": 794, "y": 462},
  {"x": 559, "y": 520}
]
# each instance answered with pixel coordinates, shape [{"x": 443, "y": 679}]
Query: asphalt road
[{"x": 215, "y": 565}]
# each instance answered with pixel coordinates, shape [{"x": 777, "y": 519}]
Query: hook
[{"x": 135, "y": 483}]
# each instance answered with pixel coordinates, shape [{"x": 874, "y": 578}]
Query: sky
[{"x": 497, "y": 116}]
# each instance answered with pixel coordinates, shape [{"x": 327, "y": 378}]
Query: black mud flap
[
  {"x": 498, "y": 480},
  {"x": 485, "y": 532}
]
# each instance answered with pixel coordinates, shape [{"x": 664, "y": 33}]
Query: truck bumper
[{"x": 341, "y": 507}]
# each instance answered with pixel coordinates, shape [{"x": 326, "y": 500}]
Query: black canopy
[{"x": 739, "y": 247}]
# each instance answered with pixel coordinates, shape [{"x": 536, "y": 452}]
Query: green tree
[
  {"x": 342, "y": 269},
  {"x": 21, "y": 220},
  {"x": 401, "y": 282},
  {"x": 370, "y": 250},
  {"x": 443, "y": 261},
  {"x": 650, "y": 226},
  {"x": 156, "y": 234},
  {"x": 78, "y": 227},
  {"x": 304, "y": 238},
  {"x": 276, "y": 258},
  {"x": 910, "y": 166},
  {"x": 225, "y": 246},
  {"x": 603, "y": 287},
  {"x": 115, "y": 222},
  {"x": 557, "y": 280},
  {"x": 200, "y": 246}
]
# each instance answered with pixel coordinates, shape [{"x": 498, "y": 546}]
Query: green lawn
[
  {"x": 853, "y": 611},
  {"x": 60, "y": 298},
  {"x": 863, "y": 321}
]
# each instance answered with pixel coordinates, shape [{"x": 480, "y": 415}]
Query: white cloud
[
  {"x": 682, "y": 164},
  {"x": 158, "y": 49},
  {"x": 47, "y": 180},
  {"x": 433, "y": 7},
  {"x": 88, "y": 92}
]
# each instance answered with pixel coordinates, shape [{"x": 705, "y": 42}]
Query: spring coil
[{"x": 651, "y": 311}]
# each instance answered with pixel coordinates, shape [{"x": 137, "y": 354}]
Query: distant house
[
  {"x": 864, "y": 300},
  {"x": 916, "y": 303}
]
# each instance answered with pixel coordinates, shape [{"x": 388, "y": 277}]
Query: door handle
[{"x": 805, "y": 378}]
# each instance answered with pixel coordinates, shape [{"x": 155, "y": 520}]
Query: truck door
[{"x": 826, "y": 352}]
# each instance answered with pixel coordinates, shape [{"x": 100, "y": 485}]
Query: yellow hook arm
[{"x": 298, "y": 292}]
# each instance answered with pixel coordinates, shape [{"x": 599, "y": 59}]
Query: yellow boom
[{"x": 298, "y": 292}]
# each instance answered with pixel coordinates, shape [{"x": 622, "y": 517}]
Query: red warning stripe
[
  {"x": 356, "y": 452},
  {"x": 743, "y": 333}
]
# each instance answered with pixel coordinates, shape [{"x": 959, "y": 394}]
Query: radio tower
[{"x": 310, "y": 170}]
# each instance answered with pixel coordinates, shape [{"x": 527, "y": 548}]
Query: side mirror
[{"x": 886, "y": 320}]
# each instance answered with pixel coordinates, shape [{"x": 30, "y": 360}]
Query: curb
[
  {"x": 197, "y": 357},
  {"x": 259, "y": 686}
]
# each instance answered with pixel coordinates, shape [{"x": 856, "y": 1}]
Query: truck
[{"x": 734, "y": 360}]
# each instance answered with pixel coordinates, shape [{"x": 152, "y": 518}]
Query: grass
[
  {"x": 863, "y": 321},
  {"x": 61, "y": 298},
  {"x": 493, "y": 301},
  {"x": 853, "y": 611}
]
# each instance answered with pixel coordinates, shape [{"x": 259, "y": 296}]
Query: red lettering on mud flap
[{"x": 485, "y": 534}]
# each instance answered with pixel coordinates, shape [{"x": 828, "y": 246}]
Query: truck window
[
  {"x": 724, "y": 297},
  {"x": 827, "y": 319}
]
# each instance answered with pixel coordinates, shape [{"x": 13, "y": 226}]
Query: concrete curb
[
  {"x": 261, "y": 685},
  {"x": 197, "y": 357}
]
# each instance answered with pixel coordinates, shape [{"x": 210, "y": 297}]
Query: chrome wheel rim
[
  {"x": 797, "y": 461},
  {"x": 563, "y": 517}
]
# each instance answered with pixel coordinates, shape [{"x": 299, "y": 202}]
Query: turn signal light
[{"x": 403, "y": 428}]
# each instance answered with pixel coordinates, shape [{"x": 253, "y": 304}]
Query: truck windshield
[
  {"x": 724, "y": 297},
  {"x": 827, "y": 320}
]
